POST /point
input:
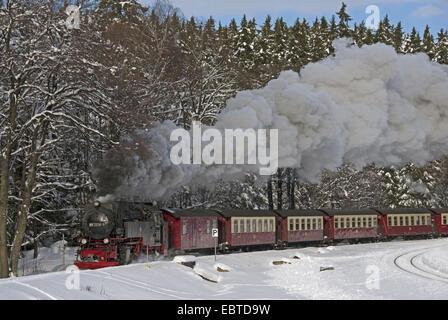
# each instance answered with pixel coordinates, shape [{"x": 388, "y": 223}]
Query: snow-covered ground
[{"x": 388, "y": 270}]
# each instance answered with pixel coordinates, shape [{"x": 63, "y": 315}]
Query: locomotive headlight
[
  {"x": 106, "y": 241},
  {"x": 83, "y": 241},
  {"x": 97, "y": 204}
]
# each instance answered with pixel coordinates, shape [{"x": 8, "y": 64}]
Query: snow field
[{"x": 363, "y": 271}]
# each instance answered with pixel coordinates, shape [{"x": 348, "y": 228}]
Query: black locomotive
[{"x": 114, "y": 232}]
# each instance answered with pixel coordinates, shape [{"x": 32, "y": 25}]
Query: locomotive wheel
[{"x": 124, "y": 255}]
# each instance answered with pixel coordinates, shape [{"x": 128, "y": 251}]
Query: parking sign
[{"x": 215, "y": 233}]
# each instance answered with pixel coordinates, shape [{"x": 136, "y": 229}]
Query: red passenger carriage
[
  {"x": 190, "y": 229},
  {"x": 406, "y": 222},
  {"x": 441, "y": 220},
  {"x": 351, "y": 223},
  {"x": 247, "y": 228},
  {"x": 300, "y": 226}
]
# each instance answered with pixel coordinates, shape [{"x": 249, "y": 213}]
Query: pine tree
[
  {"x": 264, "y": 45},
  {"x": 441, "y": 54},
  {"x": 343, "y": 28},
  {"x": 388, "y": 31},
  {"x": 299, "y": 46},
  {"x": 428, "y": 43},
  {"x": 208, "y": 34},
  {"x": 398, "y": 38},
  {"x": 318, "y": 43},
  {"x": 245, "y": 43},
  {"x": 413, "y": 45},
  {"x": 281, "y": 34},
  {"x": 325, "y": 33}
]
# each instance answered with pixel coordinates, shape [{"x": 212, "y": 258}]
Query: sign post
[{"x": 215, "y": 235}]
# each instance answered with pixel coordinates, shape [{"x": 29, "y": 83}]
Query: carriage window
[
  {"x": 184, "y": 227},
  {"x": 412, "y": 220},
  {"x": 406, "y": 220},
  {"x": 297, "y": 224},
  {"x": 271, "y": 225},
  {"x": 265, "y": 225},
  {"x": 369, "y": 222},
  {"x": 235, "y": 226},
  {"x": 314, "y": 224},
  {"x": 389, "y": 220},
  {"x": 342, "y": 223},
  {"x": 364, "y": 222},
  {"x": 401, "y": 221},
  {"x": 336, "y": 223},
  {"x": 260, "y": 225},
  {"x": 319, "y": 223},
  {"x": 291, "y": 224},
  {"x": 192, "y": 227},
  {"x": 248, "y": 225},
  {"x": 241, "y": 225},
  {"x": 254, "y": 225},
  {"x": 302, "y": 223},
  {"x": 424, "y": 220},
  {"x": 208, "y": 226},
  {"x": 395, "y": 221},
  {"x": 444, "y": 218},
  {"x": 308, "y": 224},
  {"x": 359, "y": 222},
  {"x": 353, "y": 222}
]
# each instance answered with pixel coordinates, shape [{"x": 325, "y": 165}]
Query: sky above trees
[{"x": 418, "y": 13}]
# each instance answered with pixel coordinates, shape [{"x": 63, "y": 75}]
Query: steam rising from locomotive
[{"x": 363, "y": 105}]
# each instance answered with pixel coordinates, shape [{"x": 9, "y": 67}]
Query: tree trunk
[
  {"x": 3, "y": 212},
  {"x": 270, "y": 196},
  {"x": 26, "y": 191},
  {"x": 292, "y": 201},
  {"x": 36, "y": 245},
  {"x": 5, "y": 159},
  {"x": 279, "y": 189}
]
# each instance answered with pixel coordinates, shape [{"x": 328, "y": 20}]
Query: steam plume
[{"x": 364, "y": 105}]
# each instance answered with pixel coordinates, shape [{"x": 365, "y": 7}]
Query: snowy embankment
[
  {"x": 437, "y": 260},
  {"x": 364, "y": 271},
  {"x": 55, "y": 258}
]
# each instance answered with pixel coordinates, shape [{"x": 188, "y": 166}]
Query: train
[{"x": 115, "y": 233}]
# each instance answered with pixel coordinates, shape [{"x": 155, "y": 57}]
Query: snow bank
[
  {"x": 325, "y": 249},
  {"x": 207, "y": 271},
  {"x": 437, "y": 259},
  {"x": 186, "y": 258}
]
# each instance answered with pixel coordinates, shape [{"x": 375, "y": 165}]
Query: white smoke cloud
[{"x": 361, "y": 106}]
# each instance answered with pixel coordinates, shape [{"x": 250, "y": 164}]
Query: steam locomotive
[{"x": 114, "y": 233}]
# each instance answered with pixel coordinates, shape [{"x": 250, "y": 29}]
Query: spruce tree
[
  {"x": 281, "y": 34},
  {"x": 441, "y": 54},
  {"x": 428, "y": 43},
  {"x": 343, "y": 28},
  {"x": 413, "y": 45},
  {"x": 265, "y": 43},
  {"x": 398, "y": 38}
]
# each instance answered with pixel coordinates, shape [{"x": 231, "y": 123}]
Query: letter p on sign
[{"x": 215, "y": 233}]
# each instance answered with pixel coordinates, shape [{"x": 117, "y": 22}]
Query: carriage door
[{"x": 433, "y": 223}]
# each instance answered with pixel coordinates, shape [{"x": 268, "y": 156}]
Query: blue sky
[{"x": 411, "y": 13}]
